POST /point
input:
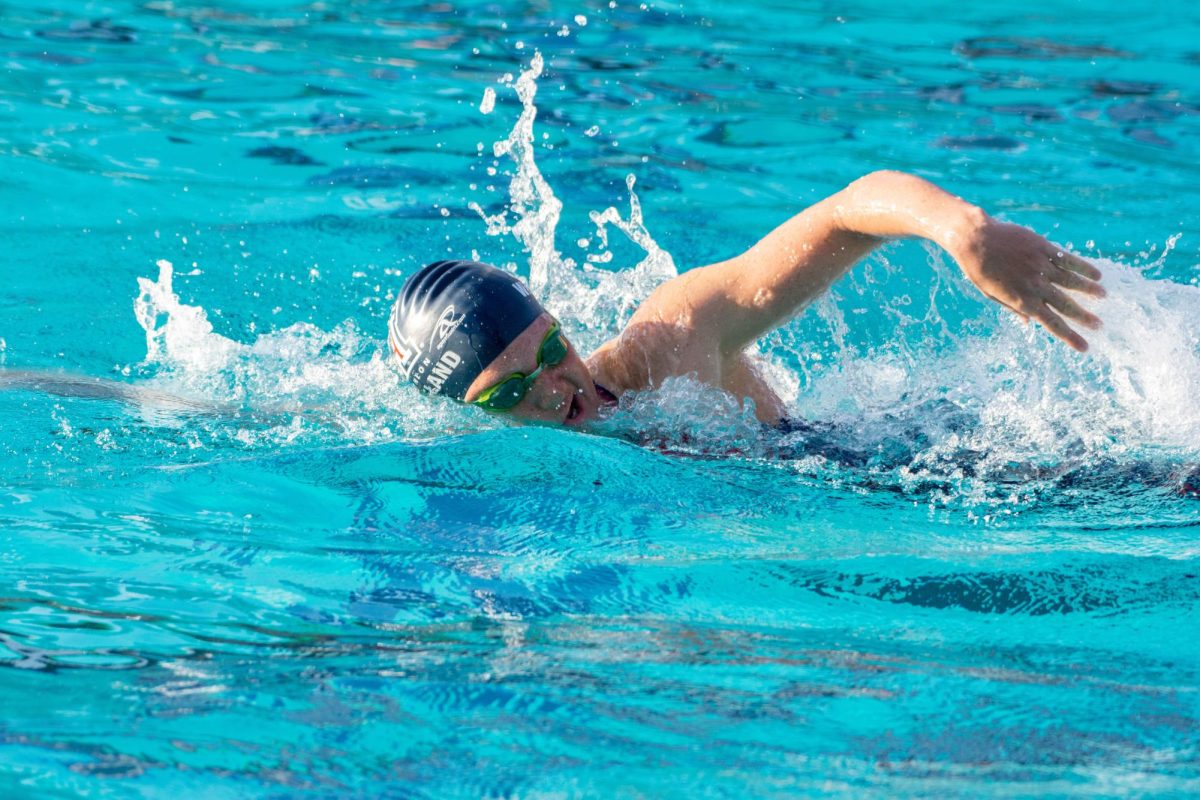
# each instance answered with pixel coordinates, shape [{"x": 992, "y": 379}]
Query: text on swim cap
[{"x": 442, "y": 370}]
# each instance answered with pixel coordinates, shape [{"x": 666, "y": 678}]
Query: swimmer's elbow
[{"x": 882, "y": 177}]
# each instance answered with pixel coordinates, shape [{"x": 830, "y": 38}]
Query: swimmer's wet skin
[
  {"x": 63, "y": 384},
  {"x": 473, "y": 332}
]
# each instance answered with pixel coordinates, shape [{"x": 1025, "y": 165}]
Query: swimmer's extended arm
[{"x": 739, "y": 300}]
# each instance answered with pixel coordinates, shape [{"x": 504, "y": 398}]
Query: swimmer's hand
[{"x": 1028, "y": 275}]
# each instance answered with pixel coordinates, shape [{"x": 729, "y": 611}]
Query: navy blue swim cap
[{"x": 452, "y": 319}]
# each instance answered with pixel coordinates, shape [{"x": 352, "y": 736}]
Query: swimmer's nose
[{"x": 550, "y": 392}]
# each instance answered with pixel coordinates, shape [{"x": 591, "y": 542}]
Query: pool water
[{"x": 239, "y": 558}]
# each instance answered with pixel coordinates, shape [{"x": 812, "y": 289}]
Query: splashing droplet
[{"x": 598, "y": 301}]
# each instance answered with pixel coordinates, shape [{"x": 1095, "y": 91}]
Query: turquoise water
[{"x": 250, "y": 563}]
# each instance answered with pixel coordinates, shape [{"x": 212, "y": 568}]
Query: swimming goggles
[{"x": 508, "y": 392}]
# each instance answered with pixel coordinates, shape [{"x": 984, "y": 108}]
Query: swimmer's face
[{"x": 562, "y": 394}]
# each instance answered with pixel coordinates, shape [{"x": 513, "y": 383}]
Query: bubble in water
[
  {"x": 581, "y": 20},
  {"x": 592, "y": 131}
]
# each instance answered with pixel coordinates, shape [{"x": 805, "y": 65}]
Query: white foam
[
  {"x": 1149, "y": 352},
  {"x": 299, "y": 383},
  {"x": 1028, "y": 399}
]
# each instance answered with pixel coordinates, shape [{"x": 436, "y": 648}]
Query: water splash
[
  {"x": 1150, "y": 355},
  {"x": 531, "y": 200},
  {"x": 976, "y": 410},
  {"x": 175, "y": 331},
  {"x": 297, "y": 384},
  {"x": 488, "y": 103},
  {"x": 595, "y": 303},
  {"x": 686, "y": 416}
]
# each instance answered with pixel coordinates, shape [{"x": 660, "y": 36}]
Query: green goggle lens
[
  {"x": 504, "y": 396},
  {"x": 511, "y": 390}
]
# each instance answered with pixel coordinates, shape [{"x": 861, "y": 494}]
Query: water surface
[{"x": 249, "y": 562}]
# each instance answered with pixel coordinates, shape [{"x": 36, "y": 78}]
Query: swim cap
[{"x": 452, "y": 319}]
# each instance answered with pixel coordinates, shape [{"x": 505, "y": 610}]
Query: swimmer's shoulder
[
  {"x": 608, "y": 369},
  {"x": 650, "y": 350}
]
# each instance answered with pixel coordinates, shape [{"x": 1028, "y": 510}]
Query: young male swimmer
[{"x": 474, "y": 333}]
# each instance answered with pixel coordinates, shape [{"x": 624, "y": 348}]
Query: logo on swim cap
[
  {"x": 407, "y": 351},
  {"x": 442, "y": 371},
  {"x": 445, "y": 326}
]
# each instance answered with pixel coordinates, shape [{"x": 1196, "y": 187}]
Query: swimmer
[{"x": 474, "y": 333}]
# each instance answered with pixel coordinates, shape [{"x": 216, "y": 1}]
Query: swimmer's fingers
[
  {"x": 1057, "y": 326},
  {"x": 1024, "y": 317},
  {"x": 1076, "y": 264},
  {"x": 1076, "y": 282},
  {"x": 1070, "y": 309}
]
